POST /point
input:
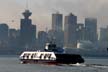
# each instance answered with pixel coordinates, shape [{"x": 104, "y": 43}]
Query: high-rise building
[
  {"x": 42, "y": 39},
  {"x": 57, "y": 21},
  {"x": 13, "y": 41},
  {"x": 103, "y": 40},
  {"x": 4, "y": 29},
  {"x": 57, "y": 29},
  {"x": 57, "y": 37},
  {"x": 70, "y": 26},
  {"x": 91, "y": 29},
  {"x": 80, "y": 32},
  {"x": 28, "y": 31},
  {"x": 103, "y": 34},
  {"x": 33, "y": 30}
]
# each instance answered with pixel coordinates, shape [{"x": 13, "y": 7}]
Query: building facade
[
  {"x": 57, "y": 29},
  {"x": 57, "y": 22},
  {"x": 70, "y": 33},
  {"x": 91, "y": 29},
  {"x": 27, "y": 31}
]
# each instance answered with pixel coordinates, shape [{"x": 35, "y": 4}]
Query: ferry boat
[{"x": 51, "y": 55}]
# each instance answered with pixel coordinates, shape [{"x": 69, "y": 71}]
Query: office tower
[
  {"x": 27, "y": 32},
  {"x": 57, "y": 37},
  {"x": 4, "y": 38},
  {"x": 4, "y": 32},
  {"x": 91, "y": 29},
  {"x": 70, "y": 33},
  {"x": 103, "y": 39},
  {"x": 57, "y": 29},
  {"x": 80, "y": 32},
  {"x": 42, "y": 39},
  {"x": 103, "y": 34},
  {"x": 13, "y": 41},
  {"x": 57, "y": 22},
  {"x": 33, "y": 32}
]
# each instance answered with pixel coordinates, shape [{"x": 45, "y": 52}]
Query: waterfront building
[
  {"x": 91, "y": 29},
  {"x": 4, "y": 29},
  {"x": 42, "y": 39},
  {"x": 103, "y": 34},
  {"x": 13, "y": 41},
  {"x": 80, "y": 32}
]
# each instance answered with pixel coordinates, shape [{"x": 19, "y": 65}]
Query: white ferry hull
[{"x": 60, "y": 59}]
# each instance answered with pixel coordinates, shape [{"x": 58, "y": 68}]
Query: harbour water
[{"x": 12, "y": 64}]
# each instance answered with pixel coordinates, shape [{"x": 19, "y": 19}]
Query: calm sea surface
[{"x": 12, "y": 64}]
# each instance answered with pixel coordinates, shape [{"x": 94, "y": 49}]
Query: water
[{"x": 12, "y": 64}]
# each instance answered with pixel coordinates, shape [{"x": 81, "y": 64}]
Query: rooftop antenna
[{"x": 26, "y": 4}]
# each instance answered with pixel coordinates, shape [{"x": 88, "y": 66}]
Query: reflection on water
[{"x": 12, "y": 64}]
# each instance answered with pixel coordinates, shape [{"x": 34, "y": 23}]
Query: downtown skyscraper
[
  {"x": 57, "y": 29},
  {"x": 57, "y": 21},
  {"x": 70, "y": 34},
  {"x": 91, "y": 29},
  {"x": 27, "y": 31}
]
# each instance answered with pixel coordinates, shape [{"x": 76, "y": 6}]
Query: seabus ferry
[{"x": 51, "y": 55}]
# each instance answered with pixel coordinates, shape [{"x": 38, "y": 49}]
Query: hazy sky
[{"x": 42, "y": 10}]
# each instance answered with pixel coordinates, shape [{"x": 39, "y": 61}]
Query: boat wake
[
  {"x": 100, "y": 66},
  {"x": 97, "y": 65}
]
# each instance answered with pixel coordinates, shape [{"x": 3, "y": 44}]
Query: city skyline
[
  {"x": 74, "y": 36},
  {"x": 11, "y": 11}
]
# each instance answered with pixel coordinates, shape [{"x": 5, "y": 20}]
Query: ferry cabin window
[
  {"x": 41, "y": 56},
  {"x": 45, "y": 56},
  {"x": 26, "y": 55},
  {"x": 34, "y": 55}
]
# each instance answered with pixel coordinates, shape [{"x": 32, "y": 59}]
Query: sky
[{"x": 10, "y": 11}]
